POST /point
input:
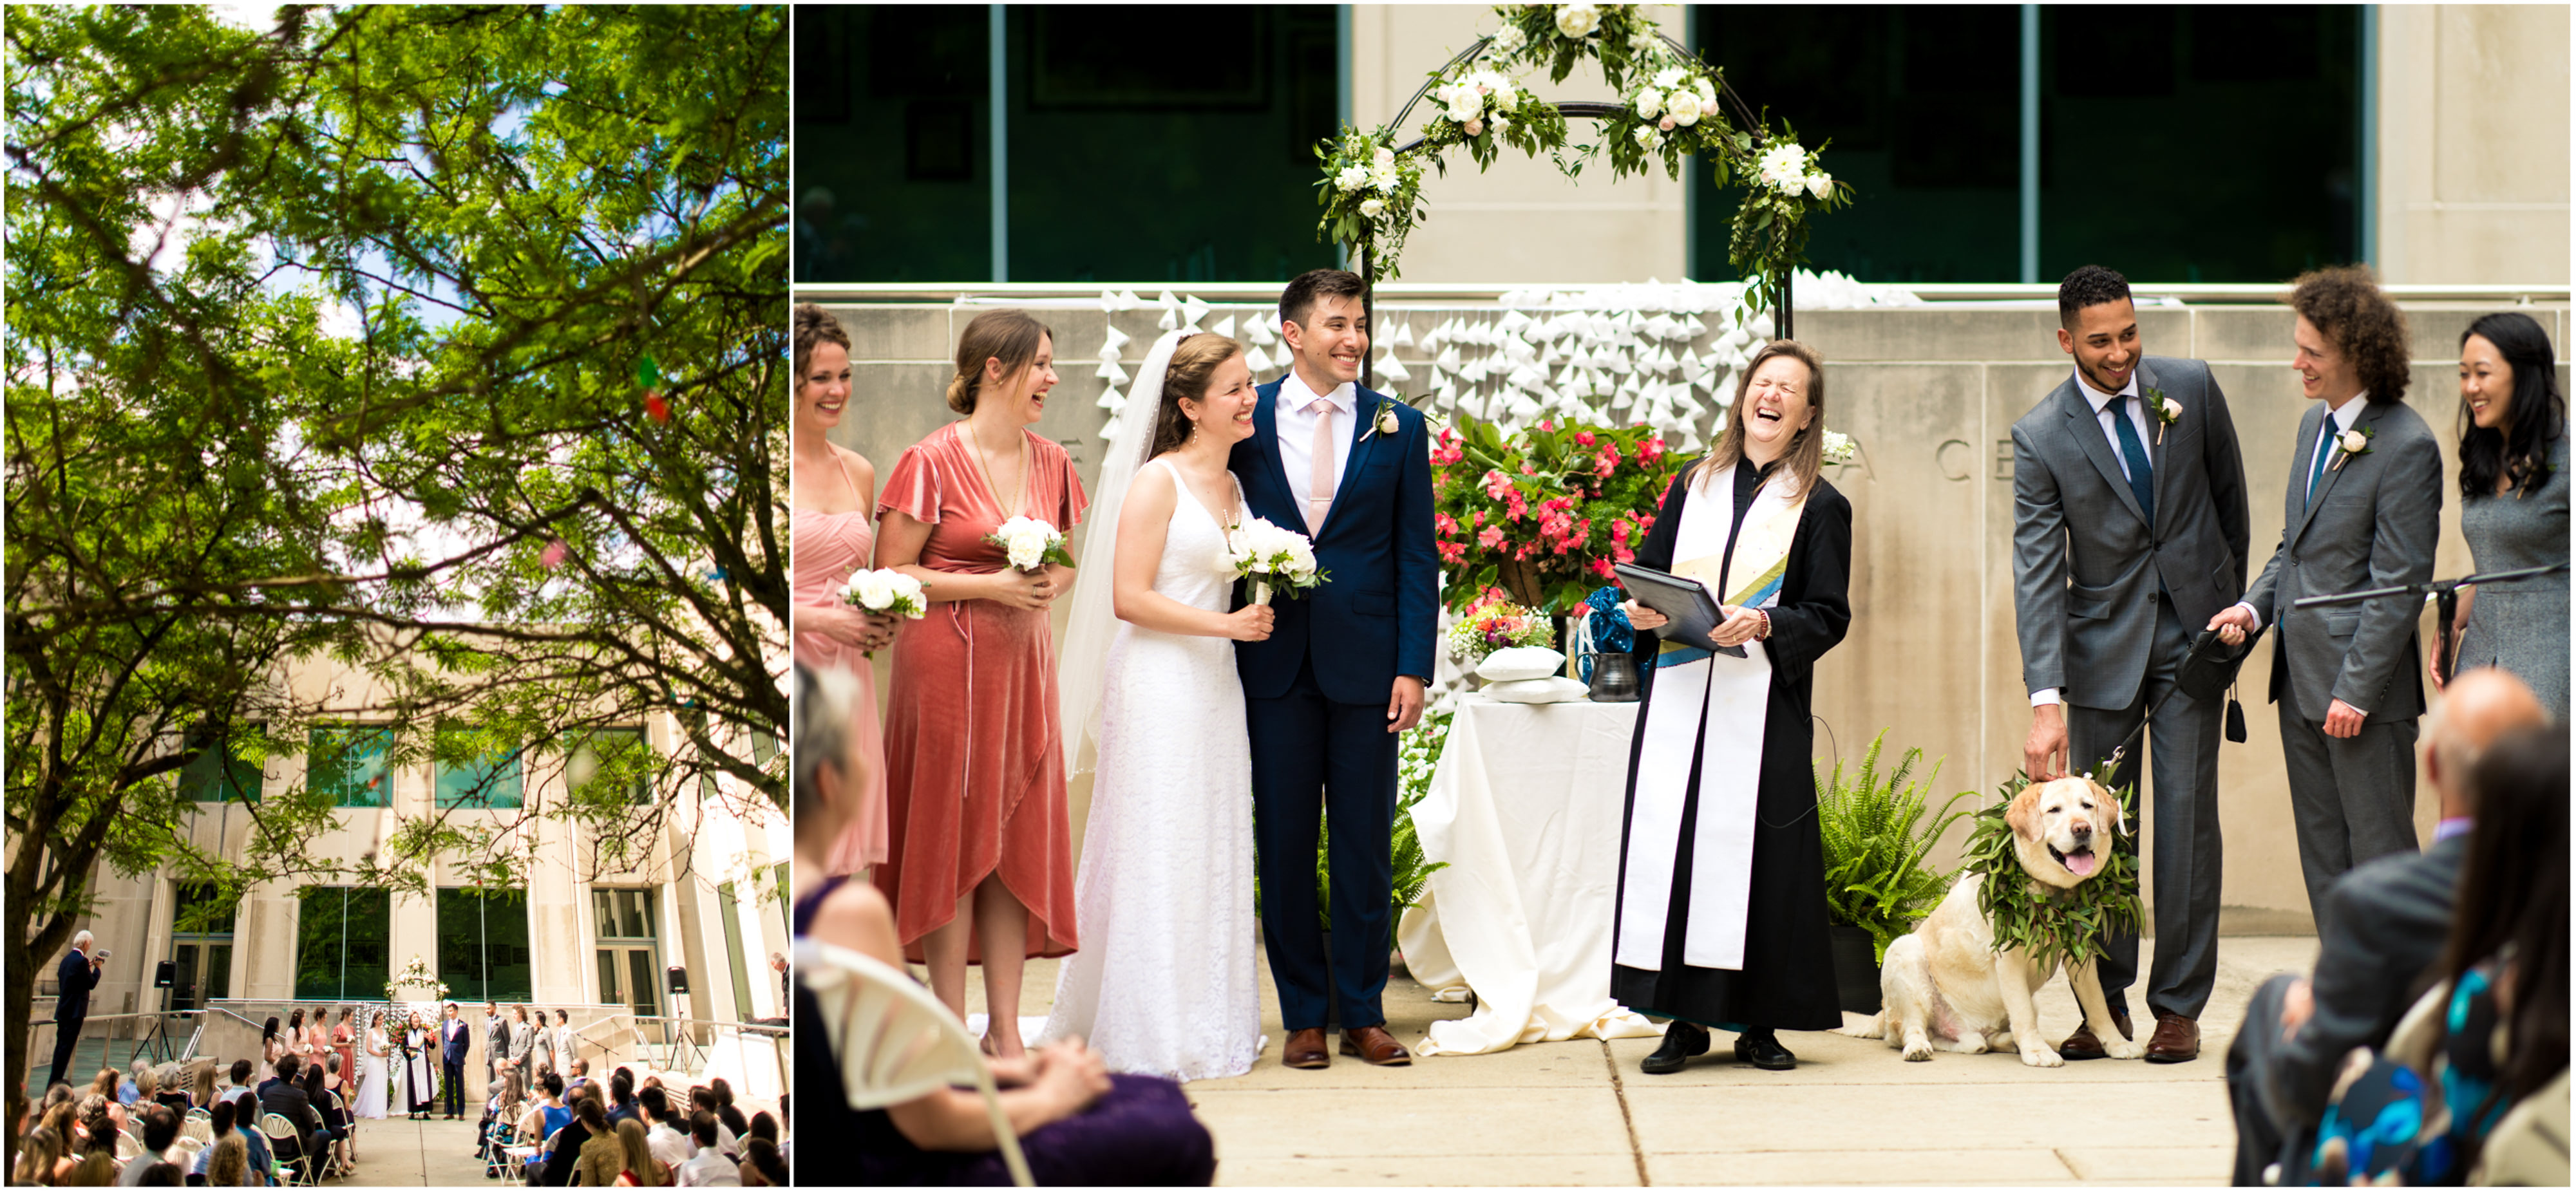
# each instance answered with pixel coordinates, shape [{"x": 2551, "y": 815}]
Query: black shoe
[
  {"x": 1763, "y": 1050},
  {"x": 1681, "y": 1041}
]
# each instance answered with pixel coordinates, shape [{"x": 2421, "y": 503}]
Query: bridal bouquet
[
  {"x": 1030, "y": 543},
  {"x": 885, "y": 593},
  {"x": 1268, "y": 555}
]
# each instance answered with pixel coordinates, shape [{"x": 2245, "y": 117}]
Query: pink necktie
[{"x": 1319, "y": 483}]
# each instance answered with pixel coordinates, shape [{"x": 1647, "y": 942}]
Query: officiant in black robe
[{"x": 1785, "y": 978}]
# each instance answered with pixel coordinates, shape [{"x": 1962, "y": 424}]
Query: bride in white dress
[
  {"x": 1165, "y": 982},
  {"x": 372, "y": 1071}
]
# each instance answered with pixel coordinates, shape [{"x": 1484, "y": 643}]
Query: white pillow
[
  {"x": 1558, "y": 689},
  {"x": 1520, "y": 662}
]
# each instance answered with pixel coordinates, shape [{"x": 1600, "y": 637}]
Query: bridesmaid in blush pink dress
[{"x": 830, "y": 538}]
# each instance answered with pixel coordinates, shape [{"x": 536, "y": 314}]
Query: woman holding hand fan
[
  {"x": 1166, "y": 982},
  {"x": 979, "y": 868}
]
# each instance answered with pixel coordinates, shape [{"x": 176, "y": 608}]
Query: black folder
[{"x": 1692, "y": 610}]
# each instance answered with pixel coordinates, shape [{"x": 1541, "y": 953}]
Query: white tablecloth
[{"x": 1525, "y": 806}]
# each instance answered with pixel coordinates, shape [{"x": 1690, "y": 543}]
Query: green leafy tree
[{"x": 439, "y": 344}]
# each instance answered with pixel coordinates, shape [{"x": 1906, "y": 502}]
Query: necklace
[{"x": 994, "y": 488}]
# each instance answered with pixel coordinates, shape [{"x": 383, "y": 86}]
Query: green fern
[{"x": 1876, "y": 841}]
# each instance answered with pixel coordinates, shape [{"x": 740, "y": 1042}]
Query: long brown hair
[
  {"x": 1806, "y": 453},
  {"x": 1010, "y": 336},
  {"x": 1194, "y": 361}
]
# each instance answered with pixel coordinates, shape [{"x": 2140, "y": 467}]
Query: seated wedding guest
[
  {"x": 576, "y": 1073},
  {"x": 785, "y": 1139},
  {"x": 159, "y": 1174},
  {"x": 761, "y": 1165},
  {"x": 1077, "y": 1123},
  {"x": 669, "y": 1137},
  {"x": 335, "y": 1114},
  {"x": 600, "y": 1156},
  {"x": 138, "y": 1084},
  {"x": 96, "y": 1168},
  {"x": 40, "y": 1158},
  {"x": 106, "y": 1083},
  {"x": 99, "y": 1119},
  {"x": 287, "y": 1099},
  {"x": 621, "y": 1097},
  {"x": 202, "y": 1093},
  {"x": 703, "y": 1099},
  {"x": 2513, "y": 506},
  {"x": 711, "y": 1168},
  {"x": 765, "y": 1127},
  {"x": 241, "y": 1091},
  {"x": 735, "y": 1126},
  {"x": 500, "y": 1111},
  {"x": 160, "y": 1132},
  {"x": 2492, "y": 1033},
  {"x": 1757, "y": 505},
  {"x": 545, "y": 1112},
  {"x": 640, "y": 1167},
  {"x": 227, "y": 1163},
  {"x": 2386, "y": 922},
  {"x": 229, "y": 1124}
]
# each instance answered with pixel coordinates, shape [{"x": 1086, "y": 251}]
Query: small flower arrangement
[
  {"x": 885, "y": 593},
  {"x": 1839, "y": 448},
  {"x": 1546, "y": 513},
  {"x": 1272, "y": 557},
  {"x": 1030, "y": 543},
  {"x": 2165, "y": 410},
  {"x": 2351, "y": 443},
  {"x": 416, "y": 974},
  {"x": 1494, "y": 622}
]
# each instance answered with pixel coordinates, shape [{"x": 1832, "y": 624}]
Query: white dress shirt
[
  {"x": 2101, "y": 403},
  {"x": 709, "y": 1169},
  {"x": 669, "y": 1145},
  {"x": 1297, "y": 436},
  {"x": 2331, "y": 427}
]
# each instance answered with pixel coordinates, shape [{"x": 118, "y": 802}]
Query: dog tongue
[{"x": 2080, "y": 863}]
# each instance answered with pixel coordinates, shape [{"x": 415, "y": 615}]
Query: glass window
[
  {"x": 342, "y": 949},
  {"x": 203, "y": 908},
  {"x": 219, "y": 774},
  {"x": 346, "y": 762},
  {"x": 612, "y": 754},
  {"x": 483, "y": 950},
  {"x": 731, "y": 911},
  {"x": 624, "y": 913},
  {"x": 201, "y": 928},
  {"x": 475, "y": 772},
  {"x": 1212, "y": 159},
  {"x": 1923, "y": 106}
]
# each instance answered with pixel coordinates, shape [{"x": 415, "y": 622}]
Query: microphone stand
[{"x": 2446, "y": 595}]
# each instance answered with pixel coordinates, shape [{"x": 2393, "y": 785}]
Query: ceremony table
[{"x": 1525, "y": 806}]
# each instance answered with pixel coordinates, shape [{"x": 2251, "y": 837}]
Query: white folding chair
[
  {"x": 305, "y": 1169},
  {"x": 895, "y": 1041},
  {"x": 199, "y": 1125}
]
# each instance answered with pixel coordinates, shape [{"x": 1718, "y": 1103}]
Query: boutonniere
[
  {"x": 2351, "y": 443},
  {"x": 1385, "y": 423},
  {"x": 2165, "y": 410}
]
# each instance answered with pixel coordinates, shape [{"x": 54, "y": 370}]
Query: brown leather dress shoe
[
  {"x": 1306, "y": 1051},
  {"x": 1374, "y": 1046},
  {"x": 2176, "y": 1040},
  {"x": 2083, "y": 1044}
]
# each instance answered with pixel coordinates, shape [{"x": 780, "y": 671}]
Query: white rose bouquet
[
  {"x": 885, "y": 593},
  {"x": 1030, "y": 543},
  {"x": 1271, "y": 557}
]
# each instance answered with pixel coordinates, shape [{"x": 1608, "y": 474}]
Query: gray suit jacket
[
  {"x": 2386, "y": 922},
  {"x": 2373, "y": 523},
  {"x": 496, "y": 1040},
  {"x": 523, "y": 1040},
  {"x": 2085, "y": 560}
]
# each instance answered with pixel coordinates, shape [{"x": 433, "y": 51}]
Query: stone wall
[{"x": 1929, "y": 395}]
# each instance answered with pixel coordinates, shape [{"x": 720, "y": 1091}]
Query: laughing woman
[
  {"x": 981, "y": 867},
  {"x": 1721, "y": 919},
  {"x": 834, "y": 487}
]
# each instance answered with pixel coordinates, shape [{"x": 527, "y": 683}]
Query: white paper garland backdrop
[{"x": 1661, "y": 354}]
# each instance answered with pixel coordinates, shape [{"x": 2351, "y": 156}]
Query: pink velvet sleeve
[{"x": 912, "y": 489}]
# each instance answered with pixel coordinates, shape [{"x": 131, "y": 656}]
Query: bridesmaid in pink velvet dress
[{"x": 834, "y": 489}]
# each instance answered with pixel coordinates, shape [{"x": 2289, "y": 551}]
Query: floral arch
[{"x": 1672, "y": 105}]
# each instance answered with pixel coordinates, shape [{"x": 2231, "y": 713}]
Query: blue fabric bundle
[{"x": 1608, "y": 624}]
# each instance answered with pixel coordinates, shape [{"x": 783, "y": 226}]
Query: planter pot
[{"x": 1855, "y": 969}]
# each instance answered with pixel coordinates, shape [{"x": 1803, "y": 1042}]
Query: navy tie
[{"x": 2142, "y": 480}]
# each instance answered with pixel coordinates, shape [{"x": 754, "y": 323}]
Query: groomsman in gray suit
[
  {"x": 2129, "y": 531},
  {"x": 2363, "y": 510}
]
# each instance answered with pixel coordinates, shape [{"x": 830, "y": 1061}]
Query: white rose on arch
[
  {"x": 1577, "y": 21},
  {"x": 1650, "y": 104},
  {"x": 1669, "y": 77},
  {"x": 1685, "y": 107},
  {"x": 1820, "y": 184},
  {"x": 1373, "y": 208},
  {"x": 1383, "y": 176},
  {"x": 1351, "y": 178},
  {"x": 1510, "y": 40}
]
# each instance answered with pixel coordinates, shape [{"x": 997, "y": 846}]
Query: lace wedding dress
[
  {"x": 1164, "y": 983},
  {"x": 372, "y": 1079}
]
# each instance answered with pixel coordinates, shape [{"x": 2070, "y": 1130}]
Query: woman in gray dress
[{"x": 2513, "y": 510}]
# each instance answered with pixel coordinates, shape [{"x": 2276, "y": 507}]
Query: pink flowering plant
[{"x": 1543, "y": 514}]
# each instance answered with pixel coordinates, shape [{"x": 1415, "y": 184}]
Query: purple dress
[{"x": 1140, "y": 1134}]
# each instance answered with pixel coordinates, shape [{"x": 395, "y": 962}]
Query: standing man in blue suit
[
  {"x": 453, "y": 1041},
  {"x": 77, "y": 975},
  {"x": 1344, "y": 669}
]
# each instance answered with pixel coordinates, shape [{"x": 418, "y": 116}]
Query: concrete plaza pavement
[{"x": 1580, "y": 1113}]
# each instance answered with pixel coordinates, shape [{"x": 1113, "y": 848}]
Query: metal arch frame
[{"x": 1572, "y": 109}]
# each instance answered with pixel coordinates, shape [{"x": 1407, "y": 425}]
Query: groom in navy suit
[{"x": 1344, "y": 669}]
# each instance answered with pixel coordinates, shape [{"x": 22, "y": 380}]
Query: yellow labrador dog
[{"x": 1946, "y": 988}]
